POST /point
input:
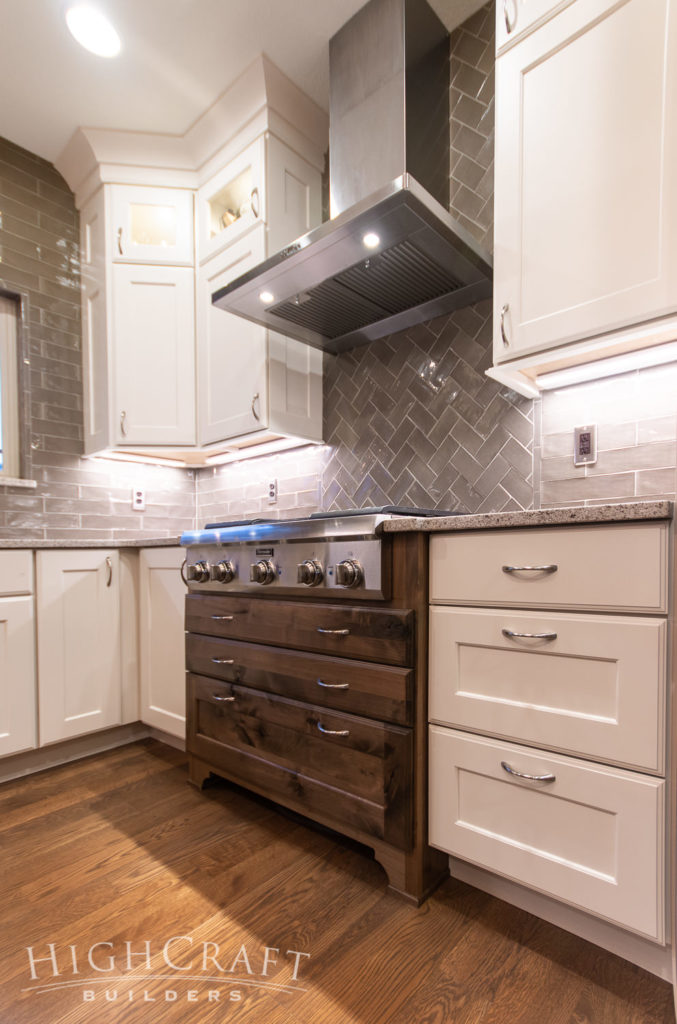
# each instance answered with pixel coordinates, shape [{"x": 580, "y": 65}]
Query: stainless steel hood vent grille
[{"x": 376, "y": 287}]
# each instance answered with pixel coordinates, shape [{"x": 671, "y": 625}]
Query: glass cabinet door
[
  {"x": 152, "y": 225},
  {"x": 232, "y": 201}
]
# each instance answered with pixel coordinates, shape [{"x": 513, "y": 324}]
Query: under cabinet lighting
[
  {"x": 609, "y": 367},
  {"x": 93, "y": 31}
]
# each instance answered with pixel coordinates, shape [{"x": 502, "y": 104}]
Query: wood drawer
[
  {"x": 374, "y": 691},
  {"x": 370, "y": 634},
  {"x": 597, "y": 688},
  {"x": 358, "y": 773},
  {"x": 16, "y": 573},
  {"x": 621, "y": 567},
  {"x": 593, "y": 838}
]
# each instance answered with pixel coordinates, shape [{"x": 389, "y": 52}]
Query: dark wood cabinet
[{"x": 323, "y": 708}]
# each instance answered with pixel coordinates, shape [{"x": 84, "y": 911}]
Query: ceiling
[{"x": 178, "y": 56}]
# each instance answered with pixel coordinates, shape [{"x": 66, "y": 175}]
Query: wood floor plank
[{"x": 119, "y": 847}]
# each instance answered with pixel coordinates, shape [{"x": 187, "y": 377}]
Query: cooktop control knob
[
  {"x": 349, "y": 573},
  {"x": 222, "y": 572},
  {"x": 199, "y": 572},
  {"x": 309, "y": 573},
  {"x": 262, "y": 572}
]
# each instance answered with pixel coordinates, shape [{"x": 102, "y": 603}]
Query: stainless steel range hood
[{"x": 392, "y": 255}]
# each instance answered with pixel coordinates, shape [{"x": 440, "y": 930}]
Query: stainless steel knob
[
  {"x": 198, "y": 572},
  {"x": 349, "y": 573},
  {"x": 309, "y": 573},
  {"x": 222, "y": 572},
  {"x": 262, "y": 572}
]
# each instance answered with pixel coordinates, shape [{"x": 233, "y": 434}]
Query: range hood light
[
  {"x": 371, "y": 240},
  {"x": 267, "y": 297}
]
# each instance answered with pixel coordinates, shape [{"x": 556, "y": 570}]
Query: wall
[
  {"x": 411, "y": 419},
  {"x": 79, "y": 497}
]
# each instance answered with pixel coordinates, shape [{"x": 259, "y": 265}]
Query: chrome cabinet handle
[
  {"x": 333, "y": 632},
  {"x": 123, "y": 428},
  {"x": 254, "y": 199},
  {"x": 183, "y": 575},
  {"x": 109, "y": 567},
  {"x": 530, "y": 568},
  {"x": 223, "y": 661},
  {"x": 223, "y": 618},
  {"x": 333, "y": 686},
  {"x": 511, "y": 635},
  {"x": 120, "y": 242},
  {"x": 509, "y": 23},
  {"x": 254, "y": 401},
  {"x": 333, "y": 732},
  {"x": 523, "y": 775},
  {"x": 217, "y": 696},
  {"x": 504, "y": 336}
]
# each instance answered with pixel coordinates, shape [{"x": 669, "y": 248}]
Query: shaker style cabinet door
[
  {"x": 151, "y": 225},
  {"x": 231, "y": 202},
  {"x": 586, "y": 175},
  {"x": 78, "y": 612},
  {"x": 162, "y": 595},
  {"x": 17, "y": 675},
  {"x": 154, "y": 346}
]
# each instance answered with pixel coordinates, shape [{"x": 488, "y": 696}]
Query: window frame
[{"x": 13, "y": 385}]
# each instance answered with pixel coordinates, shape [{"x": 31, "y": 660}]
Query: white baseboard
[{"x": 652, "y": 957}]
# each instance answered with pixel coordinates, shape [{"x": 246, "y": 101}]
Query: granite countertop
[
  {"x": 35, "y": 544},
  {"x": 619, "y": 513}
]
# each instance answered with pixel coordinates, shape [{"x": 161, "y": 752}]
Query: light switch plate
[{"x": 585, "y": 445}]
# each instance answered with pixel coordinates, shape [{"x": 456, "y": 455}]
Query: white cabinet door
[
  {"x": 18, "y": 713},
  {"x": 95, "y": 349},
  {"x": 232, "y": 352},
  {"x": 151, "y": 225},
  {"x": 162, "y": 640},
  {"x": 514, "y": 18},
  {"x": 154, "y": 355},
  {"x": 232, "y": 202},
  {"x": 586, "y": 175},
  {"x": 293, "y": 195},
  {"x": 78, "y": 614}
]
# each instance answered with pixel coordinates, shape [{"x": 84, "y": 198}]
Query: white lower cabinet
[
  {"x": 590, "y": 835},
  {"x": 162, "y": 640},
  {"x": 17, "y": 675},
  {"x": 78, "y": 613}
]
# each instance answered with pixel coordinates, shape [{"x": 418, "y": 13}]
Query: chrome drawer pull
[
  {"x": 523, "y": 775},
  {"x": 217, "y": 696},
  {"x": 530, "y": 568},
  {"x": 334, "y": 632},
  {"x": 223, "y": 661},
  {"x": 223, "y": 618},
  {"x": 511, "y": 635},
  {"x": 509, "y": 22},
  {"x": 333, "y": 732},
  {"x": 333, "y": 686}
]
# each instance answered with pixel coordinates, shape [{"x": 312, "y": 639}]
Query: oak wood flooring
[{"x": 114, "y": 855}]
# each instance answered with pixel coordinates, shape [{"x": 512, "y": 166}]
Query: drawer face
[
  {"x": 593, "y": 685},
  {"x": 369, "y": 634},
  {"x": 620, "y": 567},
  {"x": 358, "y": 687},
  {"x": 356, "y": 770},
  {"x": 16, "y": 573},
  {"x": 593, "y": 837}
]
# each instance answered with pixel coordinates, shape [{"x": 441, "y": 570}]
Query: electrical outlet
[
  {"x": 138, "y": 499},
  {"x": 272, "y": 492},
  {"x": 585, "y": 445}
]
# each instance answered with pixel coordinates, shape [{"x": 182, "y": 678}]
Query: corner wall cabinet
[
  {"x": 17, "y": 653},
  {"x": 585, "y": 223}
]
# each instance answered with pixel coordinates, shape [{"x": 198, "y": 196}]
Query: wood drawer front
[
  {"x": 16, "y": 573},
  {"x": 370, "y": 634},
  {"x": 597, "y": 689},
  {"x": 358, "y": 687},
  {"x": 358, "y": 763},
  {"x": 622, "y": 567},
  {"x": 593, "y": 838}
]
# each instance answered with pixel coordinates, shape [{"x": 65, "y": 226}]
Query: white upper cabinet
[
  {"x": 586, "y": 176},
  {"x": 515, "y": 18},
  {"x": 151, "y": 225},
  {"x": 232, "y": 201}
]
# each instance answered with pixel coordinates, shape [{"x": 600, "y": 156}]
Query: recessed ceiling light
[
  {"x": 371, "y": 240},
  {"x": 93, "y": 31},
  {"x": 267, "y": 297}
]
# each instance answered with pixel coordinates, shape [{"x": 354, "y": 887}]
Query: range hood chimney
[{"x": 392, "y": 255}]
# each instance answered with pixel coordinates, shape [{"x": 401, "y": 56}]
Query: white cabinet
[
  {"x": 151, "y": 225},
  {"x": 17, "y": 653},
  {"x": 78, "y": 613},
  {"x": 154, "y": 359},
  {"x": 586, "y": 179},
  {"x": 162, "y": 595},
  {"x": 515, "y": 18}
]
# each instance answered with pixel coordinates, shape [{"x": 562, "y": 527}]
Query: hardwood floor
[{"x": 119, "y": 849}]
